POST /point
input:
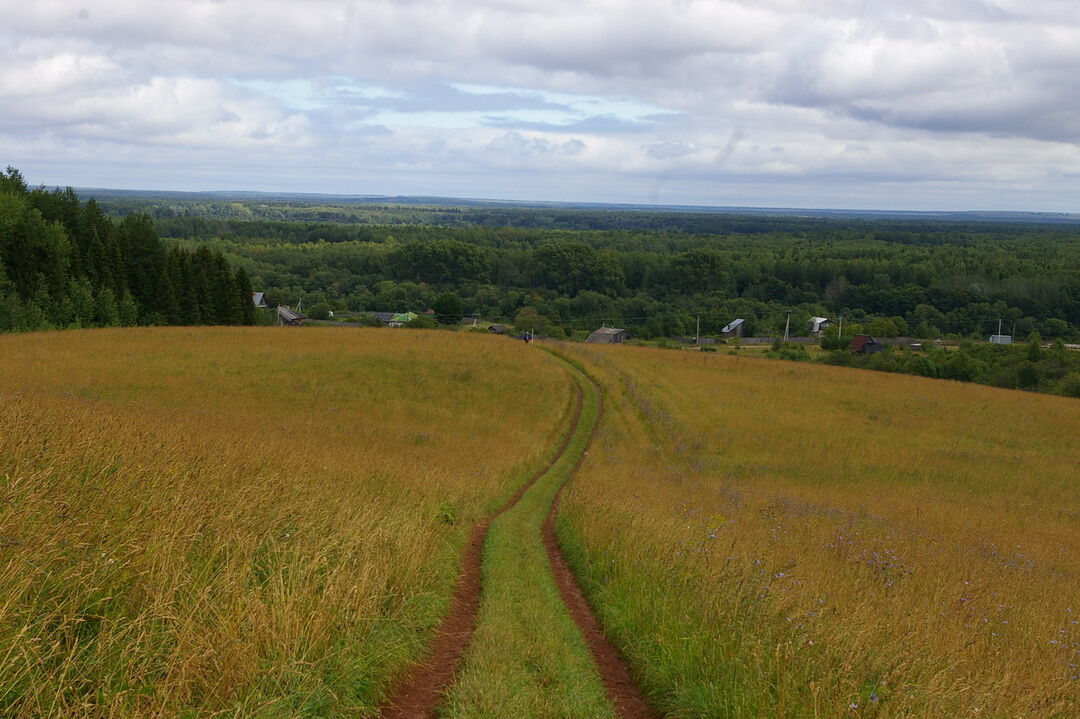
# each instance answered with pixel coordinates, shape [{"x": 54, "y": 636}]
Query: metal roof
[
  {"x": 606, "y": 335},
  {"x": 730, "y": 326}
]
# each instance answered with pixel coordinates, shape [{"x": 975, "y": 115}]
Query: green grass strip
[{"x": 527, "y": 658}]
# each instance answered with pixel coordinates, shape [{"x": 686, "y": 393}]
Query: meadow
[
  {"x": 268, "y": 522},
  {"x": 777, "y": 539},
  {"x": 246, "y": 522}
]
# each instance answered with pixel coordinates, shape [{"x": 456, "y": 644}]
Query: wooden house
[
  {"x": 866, "y": 345},
  {"x": 610, "y": 336},
  {"x": 733, "y": 328}
]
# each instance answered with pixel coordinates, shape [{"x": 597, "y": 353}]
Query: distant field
[
  {"x": 245, "y": 521},
  {"x": 778, "y": 539}
]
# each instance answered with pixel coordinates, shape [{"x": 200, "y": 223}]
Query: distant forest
[
  {"x": 655, "y": 273},
  {"x": 65, "y": 263},
  {"x": 193, "y": 259}
]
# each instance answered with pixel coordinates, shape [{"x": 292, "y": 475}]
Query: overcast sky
[{"x": 921, "y": 104}]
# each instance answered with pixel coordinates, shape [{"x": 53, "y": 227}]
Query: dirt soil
[
  {"x": 619, "y": 685},
  {"x": 419, "y": 692}
]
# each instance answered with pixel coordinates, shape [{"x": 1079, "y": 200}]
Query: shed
[
  {"x": 259, "y": 300},
  {"x": 289, "y": 317},
  {"x": 733, "y": 328},
  {"x": 866, "y": 345},
  {"x": 1001, "y": 339},
  {"x": 610, "y": 336},
  {"x": 497, "y": 329},
  {"x": 819, "y": 324}
]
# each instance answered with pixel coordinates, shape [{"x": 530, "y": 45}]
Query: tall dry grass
[
  {"x": 247, "y": 522},
  {"x": 774, "y": 539}
]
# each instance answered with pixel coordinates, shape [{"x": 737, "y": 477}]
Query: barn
[
  {"x": 733, "y": 328},
  {"x": 819, "y": 325},
  {"x": 866, "y": 345},
  {"x": 610, "y": 336}
]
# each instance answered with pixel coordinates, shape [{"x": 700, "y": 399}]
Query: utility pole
[
  {"x": 787, "y": 326},
  {"x": 697, "y": 333},
  {"x": 840, "y": 332}
]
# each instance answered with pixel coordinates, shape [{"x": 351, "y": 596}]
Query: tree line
[
  {"x": 926, "y": 281},
  {"x": 1032, "y": 365},
  {"x": 65, "y": 263}
]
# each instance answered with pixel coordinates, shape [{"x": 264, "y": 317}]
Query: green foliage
[
  {"x": 529, "y": 320},
  {"x": 833, "y": 341},
  {"x": 422, "y": 322},
  {"x": 448, "y": 308},
  {"x": 319, "y": 311},
  {"x": 793, "y": 353},
  {"x": 440, "y": 262},
  {"x": 1009, "y": 366},
  {"x": 570, "y": 267},
  {"x": 1069, "y": 385},
  {"x": 63, "y": 263}
]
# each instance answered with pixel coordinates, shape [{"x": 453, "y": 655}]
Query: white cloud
[{"x": 838, "y": 100}]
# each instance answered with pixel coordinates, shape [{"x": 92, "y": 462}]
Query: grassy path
[
  {"x": 416, "y": 695},
  {"x": 538, "y": 650},
  {"x": 520, "y": 640}
]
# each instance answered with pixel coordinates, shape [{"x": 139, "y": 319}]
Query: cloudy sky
[{"x": 921, "y": 104}]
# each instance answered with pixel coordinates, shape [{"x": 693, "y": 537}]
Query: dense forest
[
  {"x": 65, "y": 263},
  {"x": 563, "y": 271},
  {"x": 927, "y": 279}
]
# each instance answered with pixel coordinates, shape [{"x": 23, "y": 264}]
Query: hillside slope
[
  {"x": 246, "y": 521},
  {"x": 776, "y": 539}
]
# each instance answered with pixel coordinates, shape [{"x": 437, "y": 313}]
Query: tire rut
[
  {"x": 619, "y": 685},
  {"x": 417, "y": 694}
]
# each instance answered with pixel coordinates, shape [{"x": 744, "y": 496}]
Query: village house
[
  {"x": 288, "y": 317},
  {"x": 609, "y": 336},
  {"x": 819, "y": 325},
  {"x": 866, "y": 345},
  {"x": 733, "y": 328}
]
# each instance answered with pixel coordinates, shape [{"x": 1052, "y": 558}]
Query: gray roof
[
  {"x": 258, "y": 299},
  {"x": 289, "y": 315},
  {"x": 607, "y": 335},
  {"x": 730, "y": 326}
]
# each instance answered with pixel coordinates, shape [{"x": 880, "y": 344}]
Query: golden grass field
[
  {"x": 246, "y": 522},
  {"x": 768, "y": 538},
  {"x": 267, "y": 522}
]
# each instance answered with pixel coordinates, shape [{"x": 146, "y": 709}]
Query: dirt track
[
  {"x": 418, "y": 693},
  {"x": 619, "y": 686}
]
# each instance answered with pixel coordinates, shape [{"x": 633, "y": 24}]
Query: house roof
[
  {"x": 289, "y": 315},
  {"x": 258, "y": 299},
  {"x": 817, "y": 322},
  {"x": 859, "y": 342},
  {"x": 606, "y": 335},
  {"x": 732, "y": 326}
]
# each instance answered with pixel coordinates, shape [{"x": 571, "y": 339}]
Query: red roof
[{"x": 858, "y": 342}]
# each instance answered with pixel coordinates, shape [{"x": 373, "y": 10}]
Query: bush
[
  {"x": 423, "y": 322},
  {"x": 1069, "y": 385}
]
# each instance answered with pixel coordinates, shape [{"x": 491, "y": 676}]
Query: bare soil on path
[
  {"x": 419, "y": 691},
  {"x": 619, "y": 685}
]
